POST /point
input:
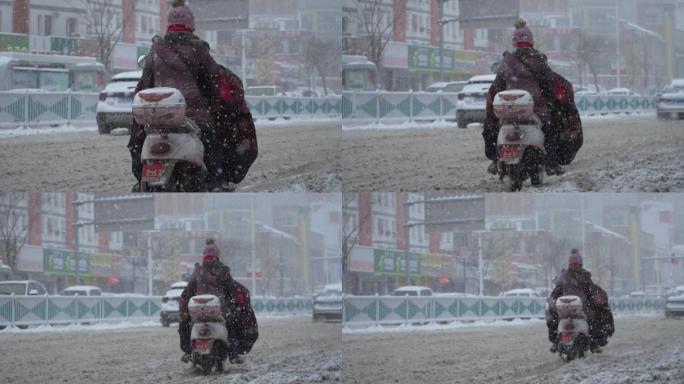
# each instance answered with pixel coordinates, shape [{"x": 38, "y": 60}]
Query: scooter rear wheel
[{"x": 206, "y": 362}]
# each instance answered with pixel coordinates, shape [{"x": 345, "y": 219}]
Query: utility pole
[
  {"x": 149, "y": 263},
  {"x": 243, "y": 61},
  {"x": 251, "y": 205},
  {"x": 617, "y": 43},
  {"x": 480, "y": 269},
  {"x": 441, "y": 39},
  {"x": 76, "y": 204}
]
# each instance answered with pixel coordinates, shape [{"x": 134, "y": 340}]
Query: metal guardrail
[
  {"x": 27, "y": 108},
  {"x": 397, "y": 107},
  {"x": 379, "y": 310},
  {"x": 52, "y": 310},
  {"x": 30, "y": 108},
  {"x": 268, "y": 107}
]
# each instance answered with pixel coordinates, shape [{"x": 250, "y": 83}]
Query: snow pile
[
  {"x": 27, "y": 131},
  {"x": 395, "y": 124},
  {"x": 82, "y": 327},
  {"x": 417, "y": 327}
]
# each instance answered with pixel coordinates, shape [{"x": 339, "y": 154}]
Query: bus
[
  {"x": 50, "y": 72},
  {"x": 358, "y": 73}
]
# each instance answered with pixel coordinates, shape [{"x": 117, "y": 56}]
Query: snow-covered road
[
  {"x": 299, "y": 156},
  {"x": 288, "y": 351},
  {"x": 620, "y": 153},
  {"x": 643, "y": 350}
]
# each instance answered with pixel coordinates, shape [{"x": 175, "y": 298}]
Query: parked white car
[
  {"x": 22, "y": 287},
  {"x": 412, "y": 290},
  {"x": 115, "y": 108},
  {"x": 671, "y": 101},
  {"x": 327, "y": 303},
  {"x": 447, "y": 86},
  {"x": 472, "y": 100},
  {"x": 520, "y": 292},
  {"x": 82, "y": 290},
  {"x": 622, "y": 92},
  {"x": 170, "y": 303}
]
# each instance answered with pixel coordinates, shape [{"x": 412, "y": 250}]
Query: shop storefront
[{"x": 379, "y": 271}]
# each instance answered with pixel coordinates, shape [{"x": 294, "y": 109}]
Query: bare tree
[
  {"x": 262, "y": 48},
  {"x": 14, "y": 226},
  {"x": 323, "y": 55},
  {"x": 499, "y": 249},
  {"x": 588, "y": 51},
  {"x": 374, "y": 19},
  {"x": 105, "y": 21}
]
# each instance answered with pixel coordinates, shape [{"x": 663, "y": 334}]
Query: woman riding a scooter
[{"x": 526, "y": 69}]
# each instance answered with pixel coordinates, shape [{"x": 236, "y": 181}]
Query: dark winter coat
[
  {"x": 215, "y": 101},
  {"x": 209, "y": 278},
  {"x": 577, "y": 282},
  {"x": 242, "y": 324},
  {"x": 553, "y": 97},
  {"x": 164, "y": 67},
  {"x": 235, "y": 126}
]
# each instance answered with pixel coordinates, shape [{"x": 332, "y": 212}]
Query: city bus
[
  {"x": 50, "y": 72},
  {"x": 358, "y": 73}
]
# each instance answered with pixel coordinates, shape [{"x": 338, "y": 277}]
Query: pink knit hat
[
  {"x": 211, "y": 252},
  {"x": 522, "y": 36},
  {"x": 575, "y": 260},
  {"x": 181, "y": 16}
]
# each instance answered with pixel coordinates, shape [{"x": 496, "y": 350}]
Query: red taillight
[
  {"x": 514, "y": 135},
  {"x": 160, "y": 148},
  {"x": 566, "y": 337},
  {"x": 461, "y": 96},
  {"x": 200, "y": 344},
  {"x": 165, "y": 299},
  {"x": 103, "y": 96}
]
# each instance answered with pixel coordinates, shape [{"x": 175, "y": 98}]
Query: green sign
[
  {"x": 428, "y": 58},
  {"x": 61, "y": 262},
  {"x": 388, "y": 262},
  {"x": 13, "y": 42}
]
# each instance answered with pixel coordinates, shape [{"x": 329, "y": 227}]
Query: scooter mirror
[{"x": 141, "y": 60}]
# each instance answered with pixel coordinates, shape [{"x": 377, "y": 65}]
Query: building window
[
  {"x": 71, "y": 26},
  {"x": 143, "y": 21},
  {"x": 48, "y": 25},
  {"x": 653, "y": 17}
]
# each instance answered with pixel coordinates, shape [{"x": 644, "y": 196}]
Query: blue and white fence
[
  {"x": 35, "y": 108},
  {"x": 271, "y": 107},
  {"x": 27, "y": 108},
  {"x": 53, "y": 310},
  {"x": 282, "y": 307},
  {"x": 397, "y": 107},
  {"x": 381, "y": 310}
]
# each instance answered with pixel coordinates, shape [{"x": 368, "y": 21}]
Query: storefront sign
[
  {"x": 61, "y": 262},
  {"x": 30, "y": 259},
  {"x": 10, "y": 42},
  {"x": 395, "y": 55},
  {"x": 388, "y": 262}
]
